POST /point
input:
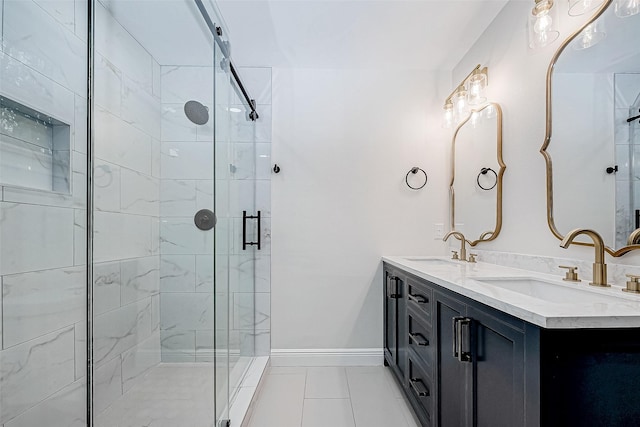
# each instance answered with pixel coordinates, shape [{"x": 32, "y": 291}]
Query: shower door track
[{"x": 216, "y": 31}]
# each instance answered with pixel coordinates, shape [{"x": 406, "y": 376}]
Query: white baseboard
[{"x": 327, "y": 357}]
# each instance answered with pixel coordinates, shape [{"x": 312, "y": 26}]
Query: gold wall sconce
[{"x": 470, "y": 92}]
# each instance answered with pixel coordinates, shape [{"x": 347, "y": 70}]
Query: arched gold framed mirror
[
  {"x": 593, "y": 87},
  {"x": 477, "y": 169}
]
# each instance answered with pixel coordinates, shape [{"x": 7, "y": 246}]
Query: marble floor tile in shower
[{"x": 170, "y": 395}]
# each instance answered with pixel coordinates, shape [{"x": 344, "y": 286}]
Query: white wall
[
  {"x": 517, "y": 80},
  {"x": 345, "y": 140}
]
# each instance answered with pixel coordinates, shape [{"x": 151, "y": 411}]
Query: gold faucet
[
  {"x": 633, "y": 237},
  {"x": 599, "y": 267},
  {"x": 459, "y": 236}
]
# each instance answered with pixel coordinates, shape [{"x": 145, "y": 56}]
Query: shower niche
[{"x": 34, "y": 149}]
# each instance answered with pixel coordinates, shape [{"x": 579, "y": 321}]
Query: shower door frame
[{"x": 91, "y": 20}]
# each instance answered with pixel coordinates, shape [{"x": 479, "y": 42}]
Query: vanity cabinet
[
  {"x": 461, "y": 363},
  {"x": 465, "y": 363}
]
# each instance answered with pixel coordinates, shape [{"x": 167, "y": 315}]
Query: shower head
[{"x": 196, "y": 112}]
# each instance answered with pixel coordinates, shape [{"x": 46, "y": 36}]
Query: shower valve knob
[{"x": 205, "y": 219}]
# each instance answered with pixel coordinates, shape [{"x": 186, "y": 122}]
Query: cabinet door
[
  {"x": 498, "y": 369},
  {"x": 453, "y": 407},
  {"x": 395, "y": 320},
  {"x": 390, "y": 317}
]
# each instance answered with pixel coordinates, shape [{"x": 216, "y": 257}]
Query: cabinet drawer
[
  {"x": 420, "y": 388},
  {"x": 419, "y": 337},
  {"x": 419, "y": 297}
]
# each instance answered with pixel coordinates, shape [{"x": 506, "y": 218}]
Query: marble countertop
[{"x": 572, "y": 305}]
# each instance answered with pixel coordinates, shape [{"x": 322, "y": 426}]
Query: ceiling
[
  {"x": 409, "y": 34},
  {"x": 427, "y": 34}
]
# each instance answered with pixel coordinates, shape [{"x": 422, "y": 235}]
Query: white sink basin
[
  {"x": 433, "y": 262},
  {"x": 574, "y": 293}
]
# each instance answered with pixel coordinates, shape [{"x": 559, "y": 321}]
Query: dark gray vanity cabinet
[{"x": 465, "y": 363}]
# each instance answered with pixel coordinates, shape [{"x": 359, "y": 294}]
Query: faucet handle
[
  {"x": 472, "y": 257},
  {"x": 572, "y": 274},
  {"x": 455, "y": 255},
  {"x": 633, "y": 284}
]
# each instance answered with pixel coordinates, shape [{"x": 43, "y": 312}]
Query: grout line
[
  {"x": 304, "y": 395},
  {"x": 353, "y": 412},
  {"x": 327, "y": 398}
]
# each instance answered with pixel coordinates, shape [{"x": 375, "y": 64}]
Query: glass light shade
[
  {"x": 543, "y": 23},
  {"x": 590, "y": 36},
  {"x": 580, "y": 7},
  {"x": 624, "y": 8},
  {"x": 475, "y": 87},
  {"x": 447, "y": 120},
  {"x": 460, "y": 104}
]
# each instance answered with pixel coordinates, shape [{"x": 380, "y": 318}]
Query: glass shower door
[
  {"x": 237, "y": 237},
  {"x": 223, "y": 232}
]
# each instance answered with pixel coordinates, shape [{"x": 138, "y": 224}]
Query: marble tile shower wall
[
  {"x": 42, "y": 233},
  {"x": 186, "y": 263},
  {"x": 127, "y": 211},
  {"x": 186, "y": 277}
]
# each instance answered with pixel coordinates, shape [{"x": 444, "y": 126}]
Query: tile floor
[{"x": 330, "y": 397}]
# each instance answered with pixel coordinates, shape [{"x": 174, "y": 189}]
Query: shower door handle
[{"x": 245, "y": 217}]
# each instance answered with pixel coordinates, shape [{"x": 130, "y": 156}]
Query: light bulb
[
  {"x": 460, "y": 106},
  {"x": 625, "y": 8},
  {"x": 477, "y": 83},
  {"x": 448, "y": 116},
  {"x": 543, "y": 24}
]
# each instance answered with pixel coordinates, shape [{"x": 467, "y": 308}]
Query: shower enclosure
[
  {"x": 128, "y": 224},
  {"x": 627, "y": 154}
]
